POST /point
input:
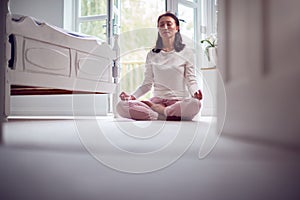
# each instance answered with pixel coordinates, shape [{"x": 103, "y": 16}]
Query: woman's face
[{"x": 167, "y": 27}]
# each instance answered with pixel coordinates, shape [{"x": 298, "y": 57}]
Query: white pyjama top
[{"x": 172, "y": 74}]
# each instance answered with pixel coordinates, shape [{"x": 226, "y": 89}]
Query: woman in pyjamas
[{"x": 170, "y": 70}]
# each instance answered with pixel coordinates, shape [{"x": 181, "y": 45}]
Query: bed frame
[{"x": 44, "y": 59}]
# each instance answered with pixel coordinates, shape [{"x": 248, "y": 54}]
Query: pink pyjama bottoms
[{"x": 177, "y": 110}]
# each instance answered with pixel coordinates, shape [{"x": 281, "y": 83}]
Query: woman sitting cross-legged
[{"x": 170, "y": 71}]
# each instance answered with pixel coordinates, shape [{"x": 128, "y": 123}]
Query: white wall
[
  {"x": 50, "y": 11},
  {"x": 260, "y": 65}
]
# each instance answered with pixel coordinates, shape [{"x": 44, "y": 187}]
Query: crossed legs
[{"x": 158, "y": 108}]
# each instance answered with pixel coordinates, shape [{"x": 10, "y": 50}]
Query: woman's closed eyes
[{"x": 169, "y": 24}]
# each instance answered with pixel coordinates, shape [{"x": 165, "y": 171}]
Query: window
[
  {"x": 102, "y": 18},
  {"x": 198, "y": 21},
  {"x": 91, "y": 17},
  {"x": 99, "y": 18}
]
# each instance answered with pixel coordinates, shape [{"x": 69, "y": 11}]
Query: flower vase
[{"x": 213, "y": 56}]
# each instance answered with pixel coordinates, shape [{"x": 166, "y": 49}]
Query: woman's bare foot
[
  {"x": 158, "y": 108},
  {"x": 148, "y": 103}
]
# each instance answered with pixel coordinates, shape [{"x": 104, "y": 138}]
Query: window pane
[
  {"x": 93, "y": 7},
  {"x": 186, "y": 27},
  {"x": 144, "y": 16},
  {"x": 140, "y": 13},
  {"x": 116, "y": 3},
  {"x": 94, "y": 28}
]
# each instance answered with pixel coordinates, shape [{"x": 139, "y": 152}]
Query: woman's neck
[{"x": 168, "y": 44}]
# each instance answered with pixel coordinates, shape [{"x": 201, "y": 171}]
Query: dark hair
[{"x": 178, "y": 45}]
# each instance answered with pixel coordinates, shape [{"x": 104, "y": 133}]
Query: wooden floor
[{"x": 48, "y": 159}]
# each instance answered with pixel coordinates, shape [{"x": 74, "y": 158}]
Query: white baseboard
[{"x": 60, "y": 105}]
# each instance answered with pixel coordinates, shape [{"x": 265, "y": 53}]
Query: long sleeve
[
  {"x": 147, "y": 82},
  {"x": 190, "y": 73}
]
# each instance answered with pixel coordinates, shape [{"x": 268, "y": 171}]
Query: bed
[{"x": 44, "y": 59}]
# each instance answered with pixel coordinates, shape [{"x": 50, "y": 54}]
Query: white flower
[{"x": 211, "y": 42}]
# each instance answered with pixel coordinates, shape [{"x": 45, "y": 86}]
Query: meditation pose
[{"x": 170, "y": 71}]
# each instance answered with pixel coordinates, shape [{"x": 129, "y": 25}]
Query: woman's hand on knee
[
  {"x": 125, "y": 97},
  {"x": 198, "y": 95}
]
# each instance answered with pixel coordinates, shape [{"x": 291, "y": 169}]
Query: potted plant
[{"x": 211, "y": 49}]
